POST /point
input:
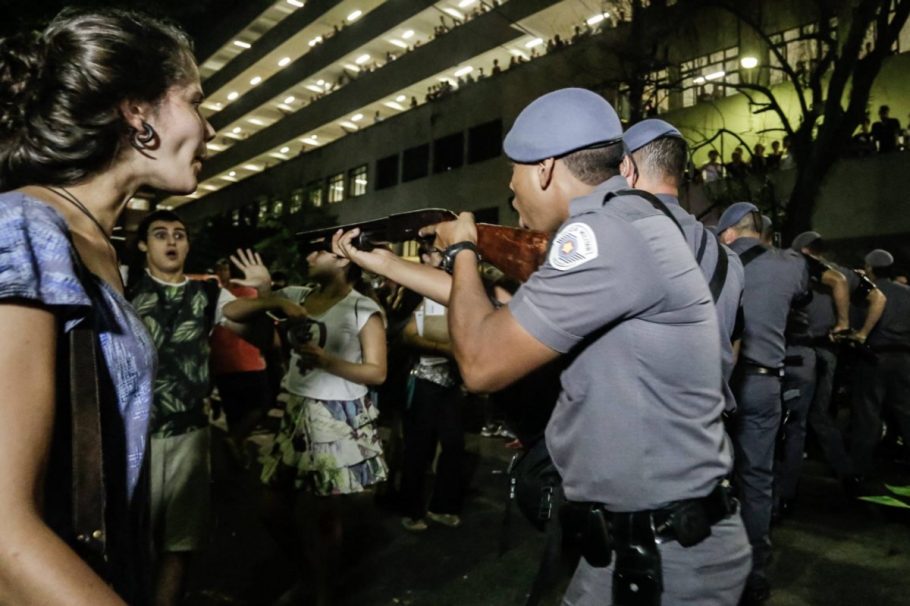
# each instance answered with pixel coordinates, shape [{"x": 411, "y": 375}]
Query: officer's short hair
[
  {"x": 663, "y": 158},
  {"x": 593, "y": 166},
  {"x": 749, "y": 222},
  {"x": 168, "y": 216}
]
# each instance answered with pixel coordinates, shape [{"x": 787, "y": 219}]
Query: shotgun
[{"x": 514, "y": 251}]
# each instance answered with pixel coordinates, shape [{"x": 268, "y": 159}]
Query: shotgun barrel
[{"x": 514, "y": 251}]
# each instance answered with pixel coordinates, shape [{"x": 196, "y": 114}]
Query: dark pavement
[{"x": 831, "y": 551}]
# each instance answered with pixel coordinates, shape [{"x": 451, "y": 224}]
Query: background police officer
[
  {"x": 637, "y": 429},
  {"x": 655, "y": 162},
  {"x": 774, "y": 280},
  {"x": 821, "y": 319},
  {"x": 886, "y": 380}
]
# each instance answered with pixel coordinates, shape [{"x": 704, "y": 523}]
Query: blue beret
[
  {"x": 807, "y": 238},
  {"x": 560, "y": 122},
  {"x": 879, "y": 258},
  {"x": 642, "y": 133},
  {"x": 734, "y": 213}
]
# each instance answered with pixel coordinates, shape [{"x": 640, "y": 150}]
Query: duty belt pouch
[
  {"x": 637, "y": 574},
  {"x": 586, "y": 527},
  {"x": 535, "y": 484},
  {"x": 690, "y": 523}
]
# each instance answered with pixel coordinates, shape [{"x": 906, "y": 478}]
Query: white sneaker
[
  {"x": 414, "y": 525},
  {"x": 446, "y": 519}
]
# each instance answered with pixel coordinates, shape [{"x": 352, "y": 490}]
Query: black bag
[{"x": 534, "y": 484}]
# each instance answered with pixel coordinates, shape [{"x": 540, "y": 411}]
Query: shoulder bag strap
[
  {"x": 88, "y": 469},
  {"x": 719, "y": 277},
  {"x": 751, "y": 254},
  {"x": 651, "y": 198}
]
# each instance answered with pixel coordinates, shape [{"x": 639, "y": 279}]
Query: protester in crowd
[
  {"x": 886, "y": 131},
  {"x": 712, "y": 170},
  {"x": 327, "y": 449}
]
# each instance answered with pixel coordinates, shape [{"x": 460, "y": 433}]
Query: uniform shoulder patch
[{"x": 574, "y": 245}]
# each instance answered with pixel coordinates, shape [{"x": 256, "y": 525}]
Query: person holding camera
[{"x": 328, "y": 444}]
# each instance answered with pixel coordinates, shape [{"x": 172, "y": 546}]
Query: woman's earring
[{"x": 141, "y": 140}]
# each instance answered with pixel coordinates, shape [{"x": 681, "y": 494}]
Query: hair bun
[{"x": 21, "y": 62}]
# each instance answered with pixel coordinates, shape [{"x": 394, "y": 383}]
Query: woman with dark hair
[
  {"x": 95, "y": 107},
  {"x": 328, "y": 445}
]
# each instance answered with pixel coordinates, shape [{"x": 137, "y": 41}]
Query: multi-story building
[{"x": 368, "y": 107}]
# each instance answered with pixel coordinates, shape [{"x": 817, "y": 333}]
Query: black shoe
[{"x": 756, "y": 592}]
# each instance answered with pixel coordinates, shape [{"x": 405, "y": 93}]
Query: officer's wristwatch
[{"x": 449, "y": 254}]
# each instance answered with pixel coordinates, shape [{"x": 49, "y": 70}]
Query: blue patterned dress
[{"x": 38, "y": 264}]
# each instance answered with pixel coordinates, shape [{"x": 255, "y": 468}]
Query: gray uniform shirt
[
  {"x": 894, "y": 326},
  {"x": 773, "y": 280},
  {"x": 731, "y": 294},
  {"x": 638, "y": 421}
]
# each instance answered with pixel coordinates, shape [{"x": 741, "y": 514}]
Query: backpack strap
[
  {"x": 651, "y": 198},
  {"x": 701, "y": 247}
]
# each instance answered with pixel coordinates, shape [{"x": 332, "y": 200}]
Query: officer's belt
[
  {"x": 687, "y": 522},
  {"x": 753, "y": 368}
]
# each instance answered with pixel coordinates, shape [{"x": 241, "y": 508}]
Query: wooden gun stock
[{"x": 516, "y": 252}]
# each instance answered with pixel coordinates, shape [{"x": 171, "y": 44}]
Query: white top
[
  {"x": 429, "y": 308},
  {"x": 343, "y": 322}
]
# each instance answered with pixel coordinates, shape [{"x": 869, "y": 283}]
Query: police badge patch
[{"x": 573, "y": 246}]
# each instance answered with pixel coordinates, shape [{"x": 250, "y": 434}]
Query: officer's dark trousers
[
  {"x": 435, "y": 414},
  {"x": 885, "y": 382},
  {"x": 754, "y": 434},
  {"x": 798, "y": 391},
  {"x": 822, "y": 419}
]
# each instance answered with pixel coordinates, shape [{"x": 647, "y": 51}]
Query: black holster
[
  {"x": 586, "y": 527},
  {"x": 637, "y": 573}
]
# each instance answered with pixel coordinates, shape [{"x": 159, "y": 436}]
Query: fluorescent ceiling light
[
  {"x": 236, "y": 130},
  {"x": 466, "y": 3},
  {"x": 320, "y": 82},
  {"x": 214, "y": 146},
  {"x": 394, "y": 105},
  {"x": 715, "y": 75},
  {"x": 748, "y": 62},
  {"x": 284, "y": 149},
  {"x": 349, "y": 125},
  {"x": 315, "y": 41},
  {"x": 408, "y": 34},
  {"x": 209, "y": 187},
  {"x": 252, "y": 167},
  {"x": 401, "y": 98},
  {"x": 355, "y": 16},
  {"x": 351, "y": 67},
  {"x": 464, "y": 71},
  {"x": 596, "y": 19},
  {"x": 285, "y": 61},
  {"x": 255, "y": 80},
  {"x": 454, "y": 13},
  {"x": 228, "y": 178},
  {"x": 699, "y": 80},
  {"x": 138, "y": 203},
  {"x": 296, "y": 3},
  {"x": 233, "y": 95},
  {"x": 233, "y": 173},
  {"x": 286, "y": 108},
  {"x": 289, "y": 99},
  {"x": 255, "y": 121},
  {"x": 314, "y": 88},
  {"x": 310, "y": 141},
  {"x": 357, "y": 117},
  {"x": 533, "y": 43},
  {"x": 242, "y": 44},
  {"x": 362, "y": 59},
  {"x": 165, "y": 207},
  {"x": 398, "y": 43}
]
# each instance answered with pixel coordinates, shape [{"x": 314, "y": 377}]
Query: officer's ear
[
  {"x": 627, "y": 169},
  {"x": 545, "y": 172}
]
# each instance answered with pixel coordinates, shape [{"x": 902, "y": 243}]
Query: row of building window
[{"x": 483, "y": 142}]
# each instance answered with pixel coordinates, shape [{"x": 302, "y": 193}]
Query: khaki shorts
[{"x": 181, "y": 501}]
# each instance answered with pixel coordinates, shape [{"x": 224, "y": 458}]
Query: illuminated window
[
  {"x": 296, "y": 201},
  {"x": 314, "y": 193},
  {"x": 336, "y": 188},
  {"x": 357, "y": 181}
]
